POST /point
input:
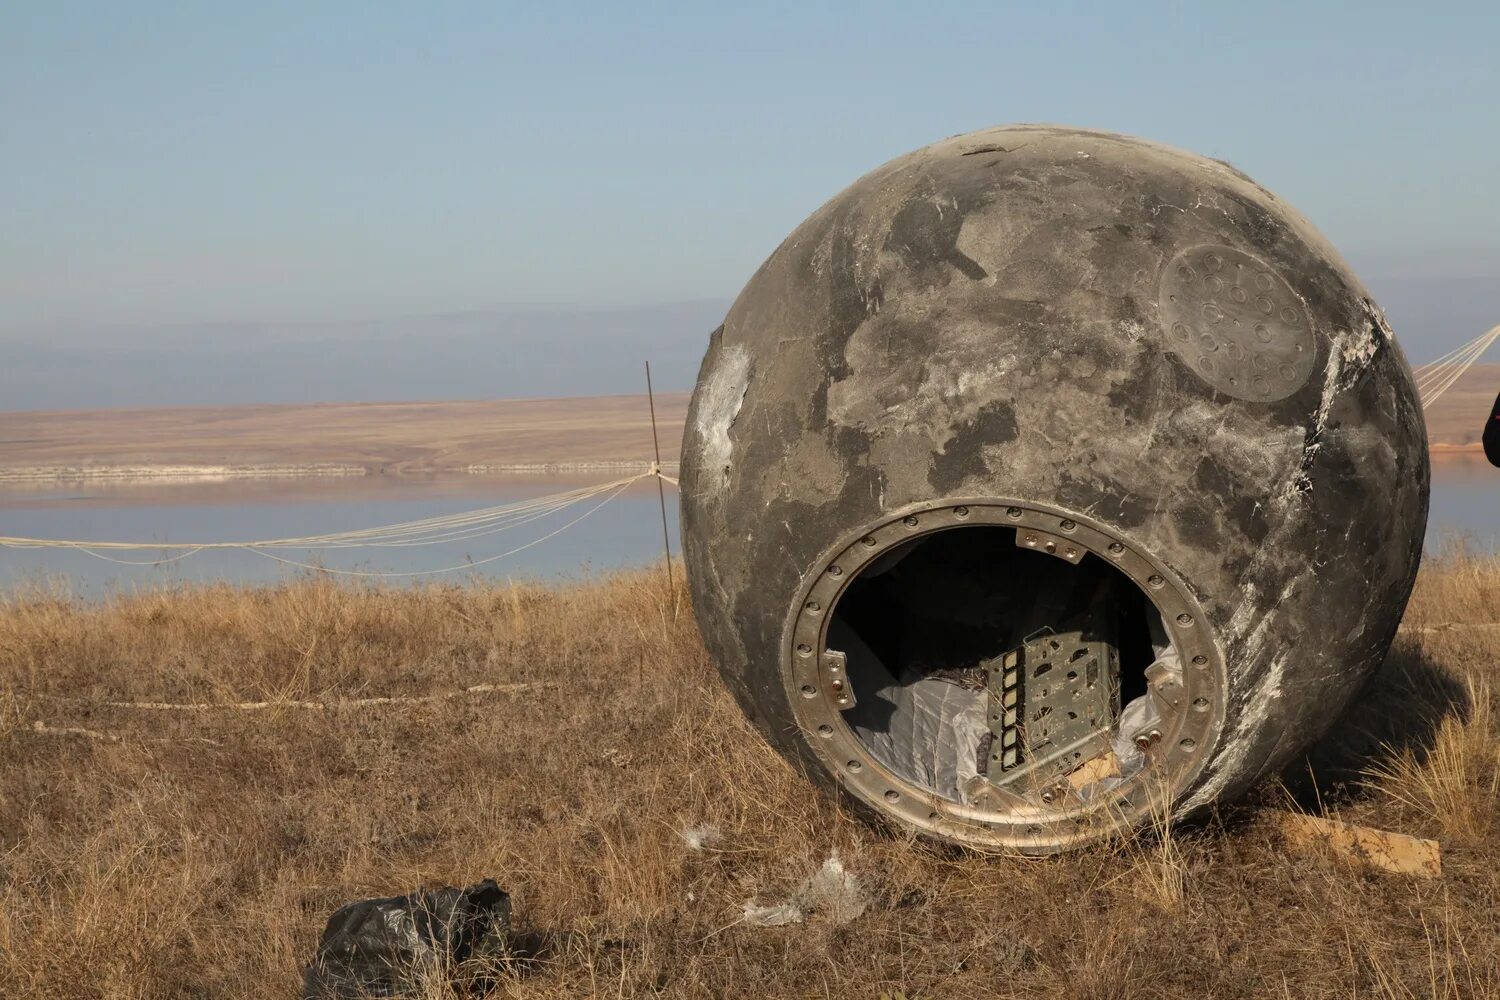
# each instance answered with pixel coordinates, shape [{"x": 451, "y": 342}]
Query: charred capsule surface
[{"x": 1046, "y": 475}]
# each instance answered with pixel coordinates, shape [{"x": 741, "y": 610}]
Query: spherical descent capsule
[{"x": 1040, "y": 468}]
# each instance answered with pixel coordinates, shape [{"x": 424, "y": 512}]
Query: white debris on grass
[
  {"x": 699, "y": 837},
  {"x": 831, "y": 889}
]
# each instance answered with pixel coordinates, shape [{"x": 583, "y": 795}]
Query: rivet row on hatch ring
[{"x": 844, "y": 754}]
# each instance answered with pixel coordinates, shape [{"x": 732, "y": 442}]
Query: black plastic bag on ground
[{"x": 404, "y": 945}]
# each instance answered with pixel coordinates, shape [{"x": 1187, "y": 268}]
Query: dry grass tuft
[
  {"x": 197, "y": 853},
  {"x": 1456, "y": 781}
]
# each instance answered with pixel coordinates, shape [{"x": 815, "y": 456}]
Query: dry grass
[{"x": 196, "y": 854}]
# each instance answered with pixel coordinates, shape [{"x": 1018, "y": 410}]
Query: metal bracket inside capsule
[
  {"x": 1053, "y": 545},
  {"x": 836, "y": 679}
]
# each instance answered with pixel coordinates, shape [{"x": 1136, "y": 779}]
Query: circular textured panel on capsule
[{"x": 1236, "y": 323}]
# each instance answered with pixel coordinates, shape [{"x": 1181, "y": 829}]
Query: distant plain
[
  {"x": 427, "y": 438},
  {"x": 407, "y": 439}
]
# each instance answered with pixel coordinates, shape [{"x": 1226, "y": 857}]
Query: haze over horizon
[{"x": 285, "y": 204}]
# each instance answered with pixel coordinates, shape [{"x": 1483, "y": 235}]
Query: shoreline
[
  {"x": 413, "y": 442},
  {"x": 63, "y": 475},
  {"x": 1441, "y": 451},
  {"x": 166, "y": 474}
]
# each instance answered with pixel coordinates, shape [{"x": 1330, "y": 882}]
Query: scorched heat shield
[{"x": 1045, "y": 479}]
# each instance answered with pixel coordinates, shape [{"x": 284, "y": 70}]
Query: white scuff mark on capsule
[
  {"x": 1257, "y": 709},
  {"x": 721, "y": 395},
  {"x": 1300, "y": 482},
  {"x": 953, "y": 389},
  {"x": 1378, "y": 320},
  {"x": 1331, "y": 389},
  {"x": 1358, "y": 349},
  {"x": 1259, "y": 706},
  {"x": 985, "y": 379},
  {"x": 1239, "y": 622}
]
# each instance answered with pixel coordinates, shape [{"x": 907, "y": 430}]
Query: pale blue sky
[{"x": 165, "y": 165}]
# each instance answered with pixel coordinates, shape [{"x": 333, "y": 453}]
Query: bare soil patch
[{"x": 382, "y": 438}]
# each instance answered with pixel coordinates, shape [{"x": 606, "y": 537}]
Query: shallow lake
[
  {"x": 587, "y": 538},
  {"x": 624, "y": 532}
]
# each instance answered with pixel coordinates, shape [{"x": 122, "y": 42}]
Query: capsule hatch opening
[{"x": 994, "y": 671}]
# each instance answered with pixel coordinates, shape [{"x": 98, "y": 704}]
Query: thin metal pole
[{"x": 661, "y": 491}]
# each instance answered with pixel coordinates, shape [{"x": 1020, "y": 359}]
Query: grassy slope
[{"x": 179, "y": 854}]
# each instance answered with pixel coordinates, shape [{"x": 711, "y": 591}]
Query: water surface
[{"x": 625, "y": 532}]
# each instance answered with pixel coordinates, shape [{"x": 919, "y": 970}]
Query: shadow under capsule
[{"x": 1399, "y": 710}]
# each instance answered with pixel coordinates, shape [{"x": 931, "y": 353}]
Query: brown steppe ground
[
  {"x": 436, "y": 437},
  {"x": 154, "y": 853},
  {"x": 385, "y": 438}
]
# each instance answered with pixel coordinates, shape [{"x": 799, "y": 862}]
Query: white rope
[
  {"x": 258, "y": 706},
  {"x": 134, "y": 562},
  {"x": 429, "y": 529},
  {"x": 1458, "y": 354},
  {"x": 442, "y": 529},
  {"x": 1429, "y": 375},
  {"x": 1438, "y": 362},
  {"x": 1432, "y": 390},
  {"x": 1438, "y": 377},
  {"x": 446, "y": 569},
  {"x": 43, "y": 729},
  {"x": 46, "y": 729},
  {"x": 1432, "y": 374},
  {"x": 452, "y": 526}
]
